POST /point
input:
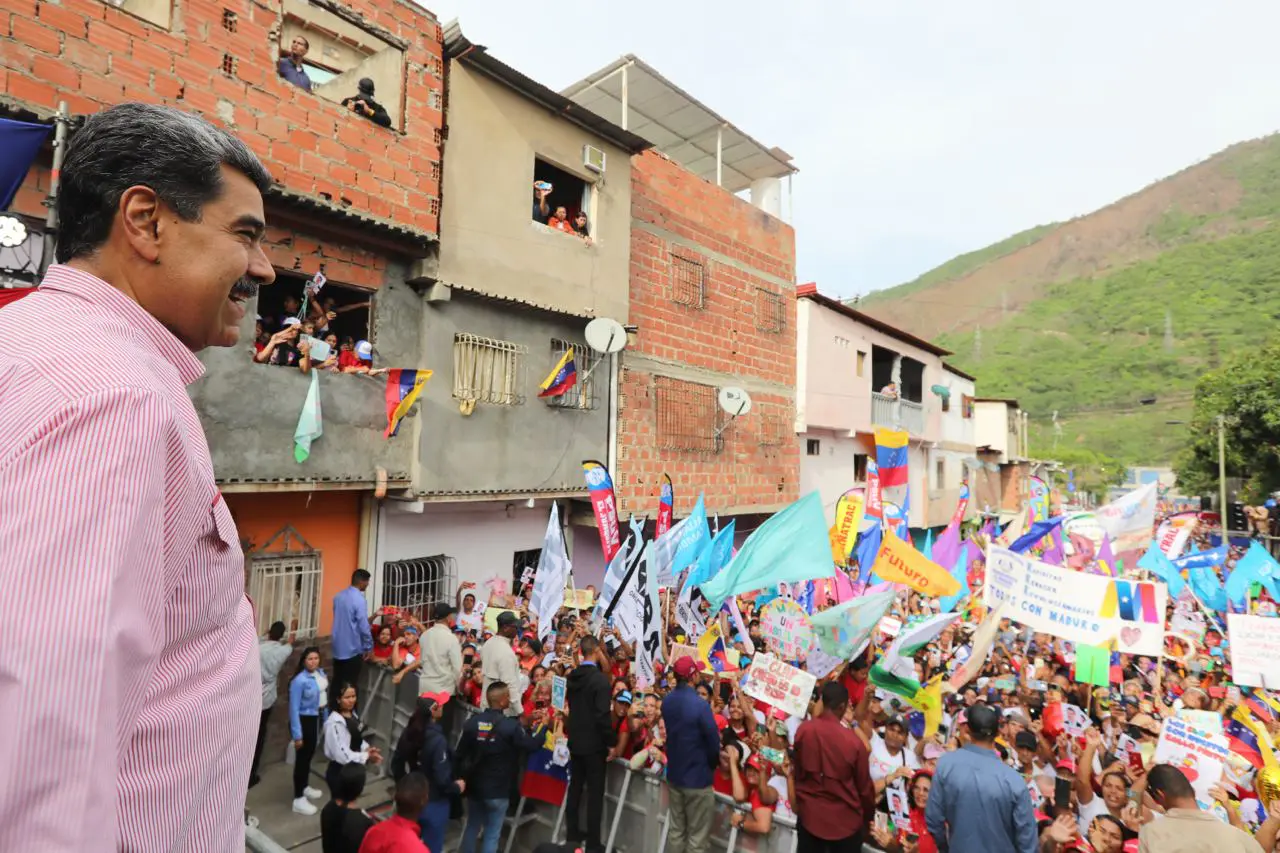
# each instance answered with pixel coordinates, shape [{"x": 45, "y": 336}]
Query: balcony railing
[{"x": 911, "y": 414}]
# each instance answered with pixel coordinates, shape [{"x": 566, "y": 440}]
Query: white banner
[
  {"x": 649, "y": 644},
  {"x": 780, "y": 685},
  {"x": 553, "y": 573},
  {"x": 1200, "y": 756},
  {"x": 1128, "y": 521},
  {"x": 1075, "y": 606},
  {"x": 1255, "y": 650}
]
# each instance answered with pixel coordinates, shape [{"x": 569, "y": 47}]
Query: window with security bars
[
  {"x": 416, "y": 585},
  {"x": 286, "y": 588},
  {"x": 488, "y": 371},
  {"x": 583, "y": 393},
  {"x": 771, "y": 314},
  {"x": 524, "y": 565},
  {"x": 688, "y": 282},
  {"x": 688, "y": 416},
  {"x": 772, "y": 427}
]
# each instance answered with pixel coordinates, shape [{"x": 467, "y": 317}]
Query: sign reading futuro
[{"x": 1075, "y": 606}]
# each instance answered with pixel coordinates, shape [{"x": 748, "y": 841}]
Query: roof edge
[{"x": 810, "y": 291}]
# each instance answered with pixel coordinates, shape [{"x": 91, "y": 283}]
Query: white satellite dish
[
  {"x": 606, "y": 335},
  {"x": 735, "y": 401}
]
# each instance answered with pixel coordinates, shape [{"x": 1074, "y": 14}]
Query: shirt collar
[
  {"x": 589, "y": 663},
  {"x": 82, "y": 285}
]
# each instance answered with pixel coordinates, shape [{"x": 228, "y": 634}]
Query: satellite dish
[
  {"x": 606, "y": 335},
  {"x": 942, "y": 391},
  {"x": 735, "y": 401}
]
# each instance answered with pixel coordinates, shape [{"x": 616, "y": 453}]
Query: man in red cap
[{"x": 693, "y": 751}]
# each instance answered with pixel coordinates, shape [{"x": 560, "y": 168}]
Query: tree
[
  {"x": 1246, "y": 393},
  {"x": 1094, "y": 471}
]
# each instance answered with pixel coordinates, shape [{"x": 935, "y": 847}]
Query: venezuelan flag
[
  {"x": 891, "y": 457},
  {"x": 543, "y": 779},
  {"x": 562, "y": 377},
  {"x": 403, "y": 388}
]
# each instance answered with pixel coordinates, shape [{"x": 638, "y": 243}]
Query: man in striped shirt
[{"x": 139, "y": 735}]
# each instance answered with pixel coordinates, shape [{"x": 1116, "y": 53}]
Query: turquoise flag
[
  {"x": 792, "y": 545},
  {"x": 927, "y": 550},
  {"x": 1256, "y": 566},
  {"x": 960, "y": 571},
  {"x": 844, "y": 630},
  {"x": 714, "y": 558},
  {"x": 1159, "y": 564},
  {"x": 309, "y": 426}
]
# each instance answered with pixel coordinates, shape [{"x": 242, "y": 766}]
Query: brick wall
[
  {"x": 92, "y": 55},
  {"x": 682, "y": 222}
]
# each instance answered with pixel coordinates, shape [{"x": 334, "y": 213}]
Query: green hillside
[{"x": 1117, "y": 353}]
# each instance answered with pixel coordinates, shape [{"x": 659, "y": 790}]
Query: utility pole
[
  {"x": 61, "y": 122},
  {"x": 1222, "y": 473}
]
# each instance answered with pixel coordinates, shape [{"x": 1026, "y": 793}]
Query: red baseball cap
[
  {"x": 438, "y": 698},
  {"x": 686, "y": 666}
]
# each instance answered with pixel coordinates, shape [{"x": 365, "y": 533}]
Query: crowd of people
[
  {"x": 1025, "y": 757},
  {"x": 290, "y": 339}
]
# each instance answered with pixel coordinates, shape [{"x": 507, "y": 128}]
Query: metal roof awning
[{"x": 644, "y": 102}]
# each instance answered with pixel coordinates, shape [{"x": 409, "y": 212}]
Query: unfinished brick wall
[
  {"x": 736, "y": 328},
  {"x": 92, "y": 55}
]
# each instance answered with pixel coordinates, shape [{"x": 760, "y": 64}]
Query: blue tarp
[{"x": 19, "y": 144}]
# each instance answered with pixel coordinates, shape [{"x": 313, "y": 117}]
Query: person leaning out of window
[
  {"x": 363, "y": 104},
  {"x": 308, "y": 695},
  {"x": 344, "y": 736}
]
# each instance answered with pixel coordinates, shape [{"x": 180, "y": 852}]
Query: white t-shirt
[
  {"x": 1097, "y": 806},
  {"x": 783, "y": 807},
  {"x": 882, "y": 763},
  {"x": 473, "y": 621}
]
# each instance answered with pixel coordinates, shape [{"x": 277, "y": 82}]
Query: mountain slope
[{"x": 1092, "y": 317}]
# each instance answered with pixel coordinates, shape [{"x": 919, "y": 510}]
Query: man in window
[
  {"x": 364, "y": 104},
  {"x": 290, "y": 67},
  {"x": 541, "y": 211}
]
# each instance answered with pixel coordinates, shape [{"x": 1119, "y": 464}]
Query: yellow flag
[
  {"x": 929, "y": 700},
  {"x": 900, "y": 563},
  {"x": 844, "y": 533}
]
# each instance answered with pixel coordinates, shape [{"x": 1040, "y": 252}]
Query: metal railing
[{"x": 909, "y": 415}]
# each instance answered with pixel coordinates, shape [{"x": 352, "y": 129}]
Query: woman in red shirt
[{"x": 382, "y": 646}]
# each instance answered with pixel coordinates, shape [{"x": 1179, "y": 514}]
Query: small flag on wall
[
  {"x": 403, "y": 388},
  {"x": 562, "y": 377}
]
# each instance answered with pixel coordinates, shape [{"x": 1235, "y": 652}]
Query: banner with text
[
  {"x": 1078, "y": 607},
  {"x": 780, "y": 685},
  {"x": 1255, "y": 650}
]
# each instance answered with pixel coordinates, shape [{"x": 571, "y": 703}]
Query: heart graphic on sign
[{"x": 1130, "y": 636}]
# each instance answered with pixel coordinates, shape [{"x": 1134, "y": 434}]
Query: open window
[
  {"x": 350, "y": 307},
  {"x": 158, "y": 12},
  {"x": 340, "y": 52},
  {"x": 567, "y": 191}
]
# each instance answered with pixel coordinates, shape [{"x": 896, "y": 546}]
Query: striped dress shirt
[{"x": 128, "y": 660}]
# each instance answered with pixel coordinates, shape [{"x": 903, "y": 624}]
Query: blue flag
[
  {"x": 792, "y": 545},
  {"x": 927, "y": 550},
  {"x": 868, "y": 548},
  {"x": 713, "y": 558},
  {"x": 1256, "y": 566},
  {"x": 960, "y": 571},
  {"x": 1199, "y": 559},
  {"x": 1038, "y": 531},
  {"x": 1207, "y": 587},
  {"x": 1159, "y": 564}
]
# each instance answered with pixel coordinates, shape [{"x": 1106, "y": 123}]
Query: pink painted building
[{"x": 848, "y": 367}]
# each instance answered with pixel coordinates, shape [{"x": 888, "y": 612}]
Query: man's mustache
[{"x": 245, "y": 287}]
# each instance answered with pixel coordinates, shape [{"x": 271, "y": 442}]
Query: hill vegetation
[{"x": 1110, "y": 319}]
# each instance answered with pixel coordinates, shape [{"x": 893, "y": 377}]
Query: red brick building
[{"x": 713, "y": 303}]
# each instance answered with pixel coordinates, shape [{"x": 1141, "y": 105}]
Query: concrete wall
[
  {"x": 957, "y": 430},
  {"x": 482, "y": 536},
  {"x": 991, "y": 428},
  {"x": 831, "y": 472},
  {"x": 250, "y": 411},
  {"x": 489, "y": 240},
  {"x": 526, "y": 447}
]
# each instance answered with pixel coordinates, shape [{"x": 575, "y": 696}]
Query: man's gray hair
[{"x": 177, "y": 154}]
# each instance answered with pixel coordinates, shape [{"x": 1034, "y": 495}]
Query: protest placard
[
  {"x": 1079, "y": 607},
  {"x": 1255, "y": 650},
  {"x": 820, "y": 664},
  {"x": 559, "y": 690},
  {"x": 785, "y": 624},
  {"x": 780, "y": 685},
  {"x": 1200, "y": 755},
  {"x": 491, "y": 615},
  {"x": 679, "y": 650},
  {"x": 579, "y": 599},
  {"x": 890, "y": 626}
]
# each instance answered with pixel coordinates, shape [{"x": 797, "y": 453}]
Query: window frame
[
  {"x": 667, "y": 390},
  {"x": 585, "y": 388},
  {"x": 698, "y": 290},
  {"x": 515, "y": 357}
]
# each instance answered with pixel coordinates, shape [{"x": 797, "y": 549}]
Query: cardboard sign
[
  {"x": 559, "y": 690},
  {"x": 491, "y": 615},
  {"x": 820, "y": 664},
  {"x": 1200, "y": 755},
  {"x": 1082, "y": 608},
  {"x": 1093, "y": 664},
  {"x": 780, "y": 685},
  {"x": 679, "y": 650},
  {"x": 579, "y": 599},
  {"x": 786, "y": 627},
  {"x": 890, "y": 626},
  {"x": 1255, "y": 650}
]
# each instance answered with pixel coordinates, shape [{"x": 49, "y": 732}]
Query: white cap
[
  {"x": 292, "y": 321},
  {"x": 364, "y": 351}
]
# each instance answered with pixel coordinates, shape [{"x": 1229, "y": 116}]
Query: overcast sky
[{"x": 927, "y": 129}]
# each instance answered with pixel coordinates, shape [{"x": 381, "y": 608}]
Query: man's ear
[{"x": 140, "y": 216}]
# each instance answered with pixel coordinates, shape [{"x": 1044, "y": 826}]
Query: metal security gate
[
  {"x": 414, "y": 585},
  {"x": 285, "y": 584}
]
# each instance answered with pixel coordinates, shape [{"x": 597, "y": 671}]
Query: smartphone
[
  {"x": 882, "y": 822},
  {"x": 1062, "y": 794},
  {"x": 1135, "y": 760}
]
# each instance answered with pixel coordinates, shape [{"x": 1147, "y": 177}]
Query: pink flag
[
  {"x": 1105, "y": 561},
  {"x": 843, "y": 589}
]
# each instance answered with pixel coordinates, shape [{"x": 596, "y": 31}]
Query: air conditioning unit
[{"x": 593, "y": 159}]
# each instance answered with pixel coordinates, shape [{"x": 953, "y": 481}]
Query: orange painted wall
[{"x": 329, "y": 521}]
